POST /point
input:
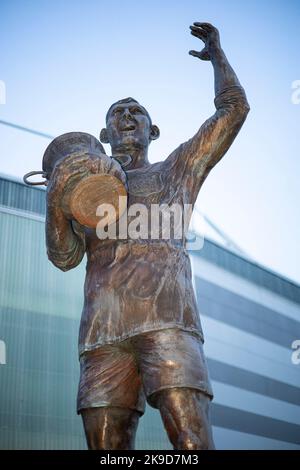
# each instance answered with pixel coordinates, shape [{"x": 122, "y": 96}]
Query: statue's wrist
[{"x": 217, "y": 54}]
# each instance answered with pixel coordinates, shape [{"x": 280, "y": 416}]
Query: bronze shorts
[{"x": 125, "y": 374}]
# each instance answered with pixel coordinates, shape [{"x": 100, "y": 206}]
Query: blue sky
[{"x": 65, "y": 62}]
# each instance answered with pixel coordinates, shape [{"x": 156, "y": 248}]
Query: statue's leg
[
  {"x": 176, "y": 381},
  {"x": 110, "y": 396},
  {"x": 110, "y": 428},
  {"x": 185, "y": 414}
]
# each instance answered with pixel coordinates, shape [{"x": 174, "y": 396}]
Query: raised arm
[
  {"x": 196, "y": 157},
  {"x": 224, "y": 74}
]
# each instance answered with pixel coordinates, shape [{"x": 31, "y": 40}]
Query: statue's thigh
[
  {"x": 171, "y": 358},
  {"x": 109, "y": 377}
]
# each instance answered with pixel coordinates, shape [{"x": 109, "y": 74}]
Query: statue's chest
[
  {"x": 146, "y": 188},
  {"x": 144, "y": 185}
]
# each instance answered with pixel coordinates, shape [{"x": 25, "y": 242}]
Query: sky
[{"x": 64, "y": 63}]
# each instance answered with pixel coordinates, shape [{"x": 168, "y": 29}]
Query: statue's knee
[
  {"x": 187, "y": 440},
  {"x": 91, "y": 428},
  {"x": 110, "y": 428}
]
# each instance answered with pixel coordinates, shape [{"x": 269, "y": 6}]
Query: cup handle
[{"x": 37, "y": 183}]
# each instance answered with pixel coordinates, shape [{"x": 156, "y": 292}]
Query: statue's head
[{"x": 128, "y": 125}]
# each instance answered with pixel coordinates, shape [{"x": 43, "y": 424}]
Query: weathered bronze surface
[{"x": 140, "y": 334}]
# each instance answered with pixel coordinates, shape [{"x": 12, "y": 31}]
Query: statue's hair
[{"x": 128, "y": 100}]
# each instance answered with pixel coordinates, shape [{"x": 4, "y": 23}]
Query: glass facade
[{"x": 250, "y": 316}]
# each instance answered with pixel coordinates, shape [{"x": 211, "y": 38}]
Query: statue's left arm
[{"x": 196, "y": 157}]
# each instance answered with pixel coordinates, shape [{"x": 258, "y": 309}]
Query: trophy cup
[{"x": 85, "y": 191}]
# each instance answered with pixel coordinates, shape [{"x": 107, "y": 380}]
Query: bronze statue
[{"x": 140, "y": 334}]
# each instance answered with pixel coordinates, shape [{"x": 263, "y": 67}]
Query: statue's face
[{"x": 128, "y": 125}]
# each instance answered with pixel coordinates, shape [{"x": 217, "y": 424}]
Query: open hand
[{"x": 210, "y": 36}]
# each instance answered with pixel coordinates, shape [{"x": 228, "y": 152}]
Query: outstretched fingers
[
  {"x": 206, "y": 26},
  {"x": 198, "y": 32}
]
